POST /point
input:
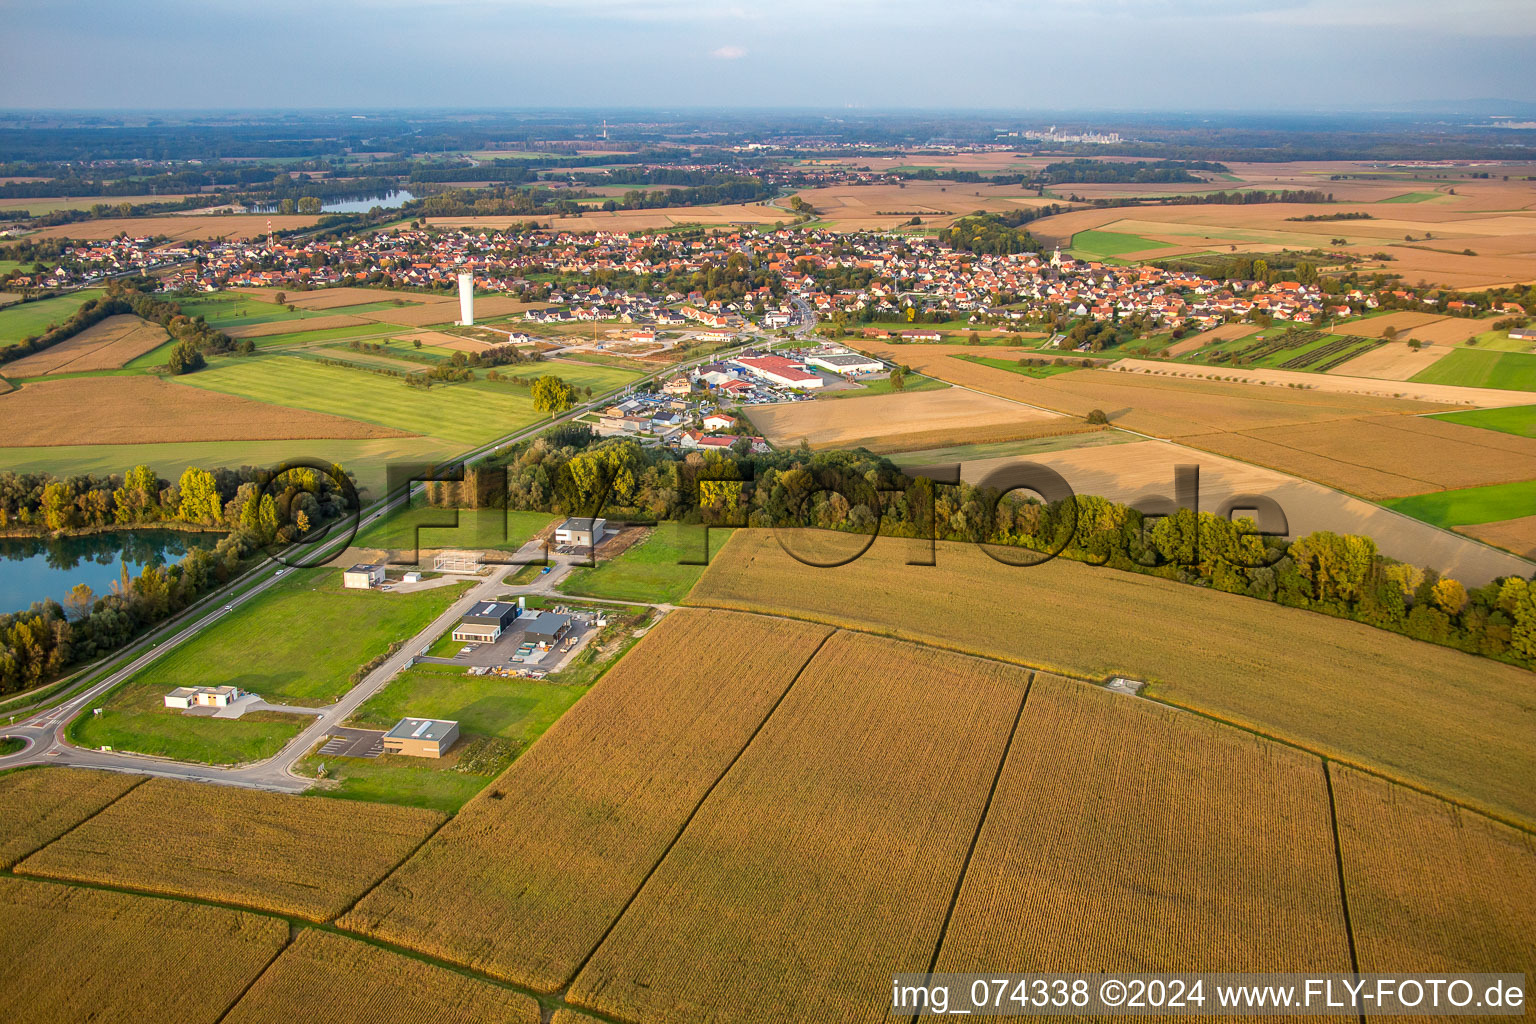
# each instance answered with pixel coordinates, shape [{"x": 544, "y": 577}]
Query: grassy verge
[
  {"x": 1517, "y": 419},
  {"x": 1470, "y": 505},
  {"x": 1039, "y": 372},
  {"x": 650, "y": 571}
]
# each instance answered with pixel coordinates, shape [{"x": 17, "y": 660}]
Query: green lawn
[
  {"x": 326, "y": 334},
  {"x": 366, "y": 458},
  {"x": 297, "y": 643},
  {"x": 1111, "y": 243},
  {"x": 513, "y": 709},
  {"x": 882, "y": 386},
  {"x": 1470, "y": 367},
  {"x": 1517, "y": 419},
  {"x": 504, "y": 529},
  {"x": 395, "y": 779},
  {"x": 26, "y": 319},
  {"x": 231, "y": 309},
  {"x": 598, "y": 377},
  {"x": 1412, "y": 197},
  {"x": 1012, "y": 366},
  {"x": 1471, "y": 505},
  {"x": 649, "y": 571},
  {"x": 466, "y": 414}
]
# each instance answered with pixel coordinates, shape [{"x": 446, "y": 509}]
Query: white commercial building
[{"x": 849, "y": 364}]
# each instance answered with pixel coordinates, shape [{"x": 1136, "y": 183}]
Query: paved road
[{"x": 43, "y": 731}]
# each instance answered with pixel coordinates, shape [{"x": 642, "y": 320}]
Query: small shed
[{"x": 421, "y": 737}]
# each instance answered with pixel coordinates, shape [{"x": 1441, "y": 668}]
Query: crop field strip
[
  {"x": 306, "y": 856},
  {"x": 38, "y": 805},
  {"x": 1431, "y": 886},
  {"x": 360, "y": 983},
  {"x": 526, "y": 880},
  {"x": 763, "y": 909},
  {"x": 1244, "y": 662},
  {"x": 1125, "y": 835},
  {"x": 154, "y": 960},
  {"x": 109, "y": 344}
]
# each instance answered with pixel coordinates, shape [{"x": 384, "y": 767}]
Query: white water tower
[{"x": 467, "y": 300}]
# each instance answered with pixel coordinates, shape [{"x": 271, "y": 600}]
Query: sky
[{"x": 826, "y": 54}]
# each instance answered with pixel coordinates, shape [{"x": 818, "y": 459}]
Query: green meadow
[{"x": 1469, "y": 367}]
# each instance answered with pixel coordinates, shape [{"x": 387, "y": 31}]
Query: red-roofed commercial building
[{"x": 780, "y": 371}]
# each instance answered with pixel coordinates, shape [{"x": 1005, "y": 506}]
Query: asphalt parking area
[{"x": 354, "y": 743}]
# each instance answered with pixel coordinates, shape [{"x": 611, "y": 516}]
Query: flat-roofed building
[
  {"x": 362, "y": 577},
  {"x": 421, "y": 737},
  {"x": 846, "y": 363},
  {"x": 203, "y": 696},
  {"x": 485, "y": 622},
  {"x": 584, "y": 533},
  {"x": 546, "y": 627}
]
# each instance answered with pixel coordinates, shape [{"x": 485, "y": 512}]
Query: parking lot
[{"x": 510, "y": 644}]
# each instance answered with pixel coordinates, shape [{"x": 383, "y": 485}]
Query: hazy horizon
[{"x": 1144, "y": 56}]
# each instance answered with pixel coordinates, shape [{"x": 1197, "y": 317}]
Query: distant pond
[
  {"x": 352, "y": 204},
  {"x": 34, "y": 569}
]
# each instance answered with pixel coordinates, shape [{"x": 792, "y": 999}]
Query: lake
[
  {"x": 357, "y": 204},
  {"x": 36, "y": 569}
]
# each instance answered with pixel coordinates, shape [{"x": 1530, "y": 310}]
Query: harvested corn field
[
  {"x": 358, "y": 983},
  {"x": 900, "y": 421},
  {"x": 1396, "y": 360},
  {"x": 75, "y": 954},
  {"x": 525, "y": 881},
  {"x": 37, "y": 805},
  {"x": 307, "y": 856},
  {"x": 107, "y": 345},
  {"x": 1126, "y": 836},
  {"x": 1432, "y": 887},
  {"x": 148, "y": 410},
  {"x": 830, "y": 851}
]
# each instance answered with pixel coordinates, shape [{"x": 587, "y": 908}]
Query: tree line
[
  {"x": 47, "y": 639},
  {"x": 570, "y": 471}
]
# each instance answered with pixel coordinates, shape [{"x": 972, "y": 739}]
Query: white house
[
  {"x": 362, "y": 577},
  {"x": 719, "y": 421},
  {"x": 583, "y": 533},
  {"x": 203, "y": 696}
]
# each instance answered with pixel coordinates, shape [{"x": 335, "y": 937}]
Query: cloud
[{"x": 728, "y": 52}]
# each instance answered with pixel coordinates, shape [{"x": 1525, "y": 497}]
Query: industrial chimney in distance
[{"x": 467, "y": 300}]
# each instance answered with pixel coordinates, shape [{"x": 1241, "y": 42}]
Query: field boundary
[
  {"x": 1338, "y": 858},
  {"x": 981, "y": 821},
  {"x": 1520, "y": 826},
  {"x": 288, "y": 942},
  {"x": 393, "y": 867},
  {"x": 691, "y": 815},
  {"x": 39, "y": 849}
]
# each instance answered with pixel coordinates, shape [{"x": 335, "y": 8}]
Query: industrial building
[
  {"x": 459, "y": 561},
  {"x": 583, "y": 533},
  {"x": 780, "y": 371},
  {"x": 546, "y": 627},
  {"x": 485, "y": 622},
  {"x": 362, "y": 577},
  {"x": 846, "y": 363},
  {"x": 421, "y": 737}
]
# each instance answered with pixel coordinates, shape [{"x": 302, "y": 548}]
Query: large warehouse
[
  {"x": 780, "y": 371},
  {"x": 485, "y": 622},
  {"x": 849, "y": 364}
]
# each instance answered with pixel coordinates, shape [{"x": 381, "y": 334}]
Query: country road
[{"x": 43, "y": 730}]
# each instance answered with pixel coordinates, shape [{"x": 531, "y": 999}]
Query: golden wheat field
[
  {"x": 566, "y": 1015},
  {"x": 829, "y": 852},
  {"x": 149, "y": 410},
  {"x": 37, "y": 805},
  {"x": 1384, "y": 456},
  {"x": 1127, "y": 836},
  {"x": 307, "y": 856},
  {"x": 1321, "y": 383},
  {"x": 526, "y": 879},
  {"x": 358, "y": 983},
  {"x": 1226, "y": 332},
  {"x": 1433, "y": 887},
  {"x": 1396, "y": 360},
  {"x": 888, "y": 422},
  {"x": 107, "y": 345},
  {"x": 1336, "y": 687},
  {"x": 75, "y": 954},
  {"x": 1517, "y": 535}
]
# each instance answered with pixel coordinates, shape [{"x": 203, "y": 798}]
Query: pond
[
  {"x": 351, "y": 204},
  {"x": 34, "y": 569}
]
